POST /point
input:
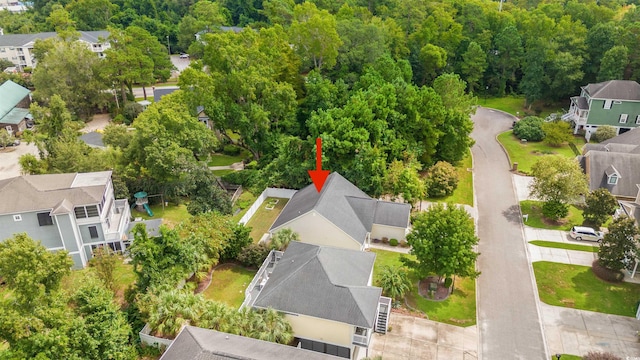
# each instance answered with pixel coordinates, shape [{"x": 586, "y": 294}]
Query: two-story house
[
  {"x": 14, "y": 107},
  {"x": 342, "y": 215},
  {"x": 18, "y": 48},
  {"x": 615, "y": 103},
  {"x": 323, "y": 283},
  {"x": 72, "y": 212}
]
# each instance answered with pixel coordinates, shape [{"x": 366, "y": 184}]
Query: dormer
[{"x": 612, "y": 175}]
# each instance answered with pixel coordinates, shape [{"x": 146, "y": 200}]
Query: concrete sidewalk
[
  {"x": 531, "y": 234},
  {"x": 576, "y": 332},
  {"x": 573, "y": 257}
]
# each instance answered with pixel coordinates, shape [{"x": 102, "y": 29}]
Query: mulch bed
[
  {"x": 441, "y": 292},
  {"x": 204, "y": 284}
]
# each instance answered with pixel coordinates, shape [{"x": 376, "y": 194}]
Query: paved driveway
[
  {"x": 571, "y": 331},
  {"x": 413, "y": 338},
  {"x": 9, "y": 166},
  {"x": 508, "y": 319}
]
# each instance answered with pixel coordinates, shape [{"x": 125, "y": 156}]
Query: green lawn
[
  {"x": 576, "y": 286},
  {"x": 459, "y": 309},
  {"x": 559, "y": 245},
  {"x": 243, "y": 203},
  {"x": 526, "y": 154},
  {"x": 463, "y": 194},
  {"x": 228, "y": 284},
  {"x": 171, "y": 215},
  {"x": 509, "y": 104},
  {"x": 262, "y": 220},
  {"x": 566, "y": 357},
  {"x": 224, "y": 160},
  {"x": 537, "y": 220},
  {"x": 514, "y": 105}
]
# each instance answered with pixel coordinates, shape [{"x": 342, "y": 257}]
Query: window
[
  {"x": 613, "y": 179},
  {"x": 17, "y": 218},
  {"x": 638, "y": 119},
  {"x": 623, "y": 118},
  {"x": 93, "y": 232},
  {"x": 45, "y": 219},
  {"x": 607, "y": 104},
  {"x": 617, "y": 102},
  {"x": 86, "y": 211}
]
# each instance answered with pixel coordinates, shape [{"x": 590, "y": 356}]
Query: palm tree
[
  {"x": 394, "y": 282},
  {"x": 282, "y": 238},
  {"x": 277, "y": 328}
]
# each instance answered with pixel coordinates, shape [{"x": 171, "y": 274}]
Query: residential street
[{"x": 509, "y": 322}]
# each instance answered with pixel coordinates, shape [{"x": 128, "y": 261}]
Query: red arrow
[{"x": 318, "y": 176}]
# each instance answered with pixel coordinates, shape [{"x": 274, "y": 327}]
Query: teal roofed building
[{"x": 14, "y": 107}]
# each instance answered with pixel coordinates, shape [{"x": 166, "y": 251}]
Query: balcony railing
[
  {"x": 261, "y": 277},
  {"x": 361, "y": 337},
  {"x": 119, "y": 220}
]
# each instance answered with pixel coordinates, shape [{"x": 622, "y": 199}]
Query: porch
[{"x": 262, "y": 276}]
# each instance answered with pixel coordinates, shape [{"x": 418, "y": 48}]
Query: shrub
[
  {"x": 393, "y": 242},
  {"x": 239, "y": 241},
  {"x": 592, "y": 355},
  {"x": 253, "y": 255},
  {"x": 231, "y": 150},
  {"x": 614, "y": 276},
  {"x": 448, "y": 282},
  {"x": 442, "y": 179},
  {"x": 385, "y": 240},
  {"x": 251, "y": 165},
  {"x": 529, "y": 128},
  {"x": 556, "y": 132},
  {"x": 554, "y": 210},
  {"x": 603, "y": 133},
  {"x": 131, "y": 111}
]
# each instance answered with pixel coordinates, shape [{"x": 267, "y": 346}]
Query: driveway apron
[{"x": 509, "y": 322}]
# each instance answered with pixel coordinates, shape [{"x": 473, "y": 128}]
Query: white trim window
[
  {"x": 17, "y": 218},
  {"x": 637, "y": 119},
  {"x": 607, "y": 104},
  {"x": 623, "y": 118},
  {"x": 613, "y": 179}
]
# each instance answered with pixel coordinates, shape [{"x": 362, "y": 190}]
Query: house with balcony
[
  {"x": 342, "y": 215},
  {"x": 18, "y": 48},
  {"x": 14, "y": 107},
  {"x": 326, "y": 295},
  {"x": 615, "y": 103},
  {"x": 73, "y": 212}
]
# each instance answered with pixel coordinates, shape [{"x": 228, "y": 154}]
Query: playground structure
[{"x": 142, "y": 203}]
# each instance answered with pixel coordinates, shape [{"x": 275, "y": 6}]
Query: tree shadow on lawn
[{"x": 599, "y": 295}]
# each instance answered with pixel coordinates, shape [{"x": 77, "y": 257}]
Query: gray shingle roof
[
  {"x": 323, "y": 282},
  {"x": 159, "y": 92},
  {"x": 93, "y": 139},
  {"x": 43, "y": 192},
  {"x": 581, "y": 102},
  {"x": 24, "y": 39},
  {"x": 631, "y": 137},
  {"x": 346, "y": 206},
  {"x": 614, "y": 90},
  {"x": 626, "y": 165},
  {"x": 10, "y": 95},
  {"x": 195, "y": 343}
]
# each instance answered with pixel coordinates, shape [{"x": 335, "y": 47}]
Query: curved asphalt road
[{"x": 508, "y": 317}]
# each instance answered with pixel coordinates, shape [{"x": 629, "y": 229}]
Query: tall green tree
[
  {"x": 600, "y": 206},
  {"x": 314, "y": 35},
  {"x": 474, "y": 65},
  {"x": 443, "y": 240},
  {"x": 614, "y": 63},
  {"x": 619, "y": 244},
  {"x": 30, "y": 270},
  {"x": 73, "y": 72},
  {"x": 92, "y": 14}
]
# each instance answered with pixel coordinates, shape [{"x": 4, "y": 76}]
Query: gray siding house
[
  {"x": 615, "y": 103},
  {"x": 72, "y": 212}
]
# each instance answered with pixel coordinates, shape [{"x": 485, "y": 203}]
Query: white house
[{"x": 18, "y": 48}]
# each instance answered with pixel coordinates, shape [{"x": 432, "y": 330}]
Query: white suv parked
[{"x": 585, "y": 233}]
